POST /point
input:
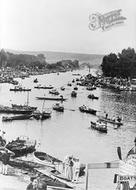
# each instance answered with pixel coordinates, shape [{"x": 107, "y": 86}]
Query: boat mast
[
  {"x": 27, "y": 98},
  {"x": 43, "y": 105}
]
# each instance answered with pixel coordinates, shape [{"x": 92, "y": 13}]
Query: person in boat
[
  {"x": 33, "y": 185},
  {"x": 2, "y": 138},
  {"x": 119, "y": 119},
  {"x": 76, "y": 169},
  {"x": 70, "y": 168},
  {"x": 106, "y": 115}
]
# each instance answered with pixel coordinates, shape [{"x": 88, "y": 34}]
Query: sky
[{"x": 62, "y": 25}]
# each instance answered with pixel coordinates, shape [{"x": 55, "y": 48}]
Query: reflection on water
[{"x": 69, "y": 132}]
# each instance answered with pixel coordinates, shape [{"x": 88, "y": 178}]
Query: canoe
[
  {"x": 101, "y": 127},
  {"x": 44, "y": 87},
  {"x": 109, "y": 120},
  {"x": 49, "y": 98},
  {"x": 44, "y": 158}
]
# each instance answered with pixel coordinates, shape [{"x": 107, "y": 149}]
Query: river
[{"x": 69, "y": 133}]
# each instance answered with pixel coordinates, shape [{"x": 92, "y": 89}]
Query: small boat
[
  {"x": 99, "y": 126},
  {"x": 54, "y": 92},
  {"x": 112, "y": 121},
  {"x": 21, "y": 146},
  {"x": 75, "y": 88},
  {"x": 73, "y": 80},
  {"x": 92, "y": 96},
  {"x": 43, "y": 87},
  {"x": 26, "y": 107},
  {"x": 91, "y": 88},
  {"x": 62, "y": 88},
  {"x": 76, "y": 74},
  {"x": 14, "y": 110},
  {"x": 46, "y": 158},
  {"x": 35, "y": 80},
  {"x": 45, "y": 115},
  {"x": 85, "y": 109},
  {"x": 73, "y": 94},
  {"x": 58, "y": 107},
  {"x": 19, "y": 89},
  {"x": 50, "y": 98},
  {"x": 69, "y": 84},
  {"x": 17, "y": 117}
]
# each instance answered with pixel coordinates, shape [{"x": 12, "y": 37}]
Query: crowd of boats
[
  {"x": 46, "y": 166},
  {"x": 25, "y": 111}
]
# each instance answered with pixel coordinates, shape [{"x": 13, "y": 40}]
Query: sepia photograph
[{"x": 67, "y": 95}]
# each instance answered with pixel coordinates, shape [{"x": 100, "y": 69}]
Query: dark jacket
[
  {"x": 5, "y": 158},
  {"x": 30, "y": 187}
]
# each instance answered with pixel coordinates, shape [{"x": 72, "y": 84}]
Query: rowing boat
[
  {"x": 51, "y": 98},
  {"x": 109, "y": 120},
  {"x": 101, "y": 127}
]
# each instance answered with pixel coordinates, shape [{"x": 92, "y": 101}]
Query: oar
[{"x": 119, "y": 152}]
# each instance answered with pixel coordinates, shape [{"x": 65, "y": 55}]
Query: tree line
[{"x": 120, "y": 65}]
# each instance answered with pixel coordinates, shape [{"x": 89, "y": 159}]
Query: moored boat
[
  {"x": 21, "y": 146},
  {"x": 19, "y": 89},
  {"x": 43, "y": 87},
  {"x": 73, "y": 94},
  {"x": 99, "y": 126},
  {"x": 69, "y": 84},
  {"x": 110, "y": 120},
  {"x": 75, "y": 88},
  {"x": 85, "y": 109},
  {"x": 92, "y": 96},
  {"x": 19, "y": 106},
  {"x": 62, "y": 88},
  {"x": 46, "y": 158},
  {"x": 58, "y": 107},
  {"x": 14, "y": 110},
  {"x": 17, "y": 117},
  {"x": 51, "y": 98}
]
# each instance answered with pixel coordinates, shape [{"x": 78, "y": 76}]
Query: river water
[{"x": 69, "y": 133}]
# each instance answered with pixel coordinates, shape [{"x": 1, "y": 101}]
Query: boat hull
[
  {"x": 53, "y": 99},
  {"x": 110, "y": 121},
  {"x": 100, "y": 129},
  {"x": 90, "y": 111}
]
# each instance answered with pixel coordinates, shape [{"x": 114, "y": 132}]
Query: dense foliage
[
  {"x": 34, "y": 62},
  {"x": 121, "y": 65},
  {"x": 8, "y": 59}
]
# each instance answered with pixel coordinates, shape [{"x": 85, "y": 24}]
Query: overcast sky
[{"x": 62, "y": 25}]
